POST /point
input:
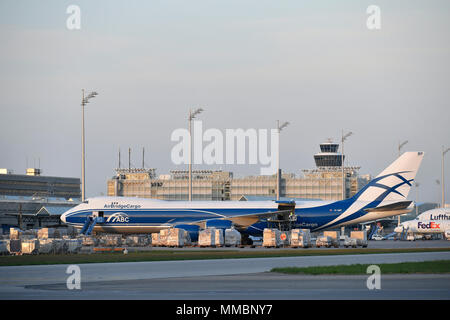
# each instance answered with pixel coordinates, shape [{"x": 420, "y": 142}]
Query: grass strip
[
  {"x": 169, "y": 255},
  {"x": 439, "y": 266}
]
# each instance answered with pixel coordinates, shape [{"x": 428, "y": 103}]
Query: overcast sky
[{"x": 247, "y": 63}]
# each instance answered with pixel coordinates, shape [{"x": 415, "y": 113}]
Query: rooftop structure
[
  {"x": 33, "y": 184},
  {"x": 323, "y": 182}
]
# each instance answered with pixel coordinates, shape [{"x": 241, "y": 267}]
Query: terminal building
[
  {"x": 323, "y": 182},
  {"x": 31, "y": 200},
  {"x": 206, "y": 184}
]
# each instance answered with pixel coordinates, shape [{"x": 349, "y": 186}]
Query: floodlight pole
[
  {"x": 342, "y": 167},
  {"x": 190, "y": 157},
  {"x": 191, "y": 116},
  {"x": 417, "y": 197},
  {"x": 342, "y": 161},
  {"x": 84, "y": 101},
  {"x": 400, "y": 146},
  {"x": 279, "y": 128},
  {"x": 444, "y": 151}
]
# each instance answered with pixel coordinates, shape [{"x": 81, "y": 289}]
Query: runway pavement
[
  {"x": 255, "y": 286},
  {"x": 203, "y": 279}
]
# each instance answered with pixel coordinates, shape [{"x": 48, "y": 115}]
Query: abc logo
[{"x": 119, "y": 217}]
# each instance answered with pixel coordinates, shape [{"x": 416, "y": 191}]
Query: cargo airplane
[
  {"x": 384, "y": 196},
  {"x": 435, "y": 221},
  {"x": 424, "y": 227}
]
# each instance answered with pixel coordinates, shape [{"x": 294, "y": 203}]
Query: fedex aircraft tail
[{"x": 394, "y": 183}]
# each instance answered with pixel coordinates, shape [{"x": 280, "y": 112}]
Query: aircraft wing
[{"x": 246, "y": 220}]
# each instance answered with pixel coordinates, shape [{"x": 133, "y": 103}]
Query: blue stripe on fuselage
[{"x": 161, "y": 216}]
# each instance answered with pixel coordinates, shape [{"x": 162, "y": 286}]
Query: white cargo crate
[
  {"x": 155, "y": 239},
  {"x": 218, "y": 238},
  {"x": 163, "y": 235},
  {"x": 271, "y": 238},
  {"x": 232, "y": 238},
  {"x": 175, "y": 237},
  {"x": 206, "y": 238},
  {"x": 300, "y": 238}
]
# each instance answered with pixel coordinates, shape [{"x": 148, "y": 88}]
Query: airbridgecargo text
[{"x": 229, "y": 309}]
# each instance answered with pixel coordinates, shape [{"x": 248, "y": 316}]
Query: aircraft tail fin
[{"x": 395, "y": 181}]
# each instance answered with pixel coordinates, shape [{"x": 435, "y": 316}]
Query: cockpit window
[{"x": 86, "y": 201}]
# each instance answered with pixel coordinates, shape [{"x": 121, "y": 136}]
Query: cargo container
[
  {"x": 232, "y": 238},
  {"x": 350, "y": 242},
  {"x": 73, "y": 245},
  {"x": 175, "y": 237},
  {"x": 59, "y": 246},
  {"x": 30, "y": 246},
  {"x": 335, "y": 237},
  {"x": 295, "y": 236},
  {"x": 59, "y": 232},
  {"x": 163, "y": 234},
  {"x": 271, "y": 238},
  {"x": 218, "y": 240},
  {"x": 324, "y": 241},
  {"x": 155, "y": 239},
  {"x": 15, "y": 246},
  {"x": 89, "y": 241},
  {"x": 300, "y": 238},
  {"x": 285, "y": 238},
  {"x": 207, "y": 237},
  {"x": 45, "y": 233},
  {"x": 361, "y": 237},
  {"x": 137, "y": 241},
  {"x": 187, "y": 238},
  {"x": 111, "y": 240},
  {"x": 46, "y": 246}
]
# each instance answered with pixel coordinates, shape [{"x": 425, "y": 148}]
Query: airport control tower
[
  {"x": 328, "y": 155},
  {"x": 326, "y": 178}
]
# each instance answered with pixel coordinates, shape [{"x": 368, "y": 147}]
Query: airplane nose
[
  {"x": 63, "y": 218},
  {"x": 398, "y": 229}
]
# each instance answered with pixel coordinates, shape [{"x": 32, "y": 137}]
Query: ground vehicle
[
  {"x": 356, "y": 239},
  {"x": 350, "y": 242},
  {"x": 377, "y": 237},
  {"x": 324, "y": 241}
]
